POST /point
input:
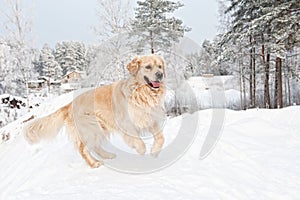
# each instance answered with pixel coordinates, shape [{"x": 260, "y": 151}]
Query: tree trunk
[
  {"x": 152, "y": 42},
  {"x": 27, "y": 96},
  {"x": 244, "y": 92},
  {"x": 266, "y": 63},
  {"x": 254, "y": 77},
  {"x": 267, "y": 85},
  {"x": 276, "y": 87},
  {"x": 241, "y": 87},
  {"x": 48, "y": 82},
  {"x": 289, "y": 91},
  {"x": 279, "y": 82},
  {"x": 285, "y": 90},
  {"x": 251, "y": 73},
  {"x": 288, "y": 86}
]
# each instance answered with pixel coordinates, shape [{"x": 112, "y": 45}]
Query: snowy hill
[{"x": 256, "y": 157}]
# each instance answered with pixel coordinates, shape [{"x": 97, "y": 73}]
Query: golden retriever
[{"x": 126, "y": 107}]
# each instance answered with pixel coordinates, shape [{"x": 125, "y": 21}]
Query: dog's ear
[{"x": 133, "y": 66}]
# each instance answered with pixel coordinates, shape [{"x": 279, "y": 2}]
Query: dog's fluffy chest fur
[{"x": 138, "y": 105}]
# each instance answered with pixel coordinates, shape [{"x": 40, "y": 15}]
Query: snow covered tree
[
  {"x": 284, "y": 30},
  {"x": 70, "y": 56},
  {"x": 112, "y": 30},
  {"x": 207, "y": 60},
  {"x": 266, "y": 30},
  {"x": 224, "y": 18},
  {"x": 7, "y": 68},
  {"x": 155, "y": 27},
  {"x": 18, "y": 28},
  {"x": 65, "y": 56},
  {"x": 243, "y": 12},
  {"x": 49, "y": 67},
  {"x": 113, "y": 18}
]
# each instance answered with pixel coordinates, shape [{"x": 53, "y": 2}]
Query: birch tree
[
  {"x": 112, "y": 32},
  {"x": 18, "y": 28}
]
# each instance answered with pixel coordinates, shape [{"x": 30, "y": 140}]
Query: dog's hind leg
[
  {"x": 90, "y": 160},
  {"x": 104, "y": 154},
  {"x": 78, "y": 141}
]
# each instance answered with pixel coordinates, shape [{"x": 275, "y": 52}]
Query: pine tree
[
  {"x": 154, "y": 28},
  {"x": 266, "y": 30},
  {"x": 280, "y": 21},
  {"x": 243, "y": 12},
  {"x": 50, "y": 68},
  {"x": 70, "y": 56}
]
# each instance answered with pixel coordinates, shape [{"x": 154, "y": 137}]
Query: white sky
[{"x": 58, "y": 20}]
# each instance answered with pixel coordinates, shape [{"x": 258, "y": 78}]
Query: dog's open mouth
[{"x": 153, "y": 84}]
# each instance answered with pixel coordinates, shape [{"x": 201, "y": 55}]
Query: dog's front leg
[
  {"x": 135, "y": 142},
  {"x": 158, "y": 140}
]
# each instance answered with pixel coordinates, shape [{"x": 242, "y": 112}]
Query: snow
[
  {"x": 256, "y": 157},
  {"x": 198, "y": 93},
  {"x": 11, "y": 97}
]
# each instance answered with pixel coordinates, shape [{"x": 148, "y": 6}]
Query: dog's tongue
[{"x": 155, "y": 84}]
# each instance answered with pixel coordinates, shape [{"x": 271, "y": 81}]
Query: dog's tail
[{"x": 46, "y": 127}]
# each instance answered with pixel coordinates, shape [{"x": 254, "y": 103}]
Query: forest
[{"x": 257, "y": 44}]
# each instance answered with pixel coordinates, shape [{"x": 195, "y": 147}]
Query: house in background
[
  {"x": 73, "y": 76},
  {"x": 37, "y": 84},
  {"x": 43, "y": 82},
  {"x": 69, "y": 82},
  {"x": 72, "y": 80}
]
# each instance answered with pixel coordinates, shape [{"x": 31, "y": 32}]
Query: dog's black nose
[{"x": 159, "y": 75}]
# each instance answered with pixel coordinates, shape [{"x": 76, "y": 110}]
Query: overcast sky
[{"x": 58, "y": 20}]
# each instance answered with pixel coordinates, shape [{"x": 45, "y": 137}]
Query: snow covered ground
[
  {"x": 13, "y": 107},
  {"x": 200, "y": 92},
  {"x": 256, "y": 157}
]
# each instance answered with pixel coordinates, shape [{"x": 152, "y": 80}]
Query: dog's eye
[
  {"x": 159, "y": 66},
  {"x": 148, "y": 67}
]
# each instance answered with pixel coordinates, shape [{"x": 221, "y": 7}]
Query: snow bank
[
  {"x": 198, "y": 93},
  {"x": 256, "y": 157}
]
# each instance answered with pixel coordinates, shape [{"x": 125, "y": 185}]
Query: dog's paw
[
  {"x": 141, "y": 150},
  {"x": 155, "y": 150},
  {"x": 111, "y": 156},
  {"x": 140, "y": 147},
  {"x": 96, "y": 164}
]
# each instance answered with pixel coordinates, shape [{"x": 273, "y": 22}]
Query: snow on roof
[
  {"x": 46, "y": 78},
  {"x": 43, "y": 77},
  {"x": 76, "y": 71},
  {"x": 36, "y": 81}
]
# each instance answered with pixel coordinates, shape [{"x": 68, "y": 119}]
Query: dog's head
[{"x": 148, "y": 69}]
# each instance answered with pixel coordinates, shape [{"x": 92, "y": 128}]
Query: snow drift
[{"x": 256, "y": 157}]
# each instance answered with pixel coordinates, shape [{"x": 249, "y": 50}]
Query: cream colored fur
[{"x": 126, "y": 107}]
